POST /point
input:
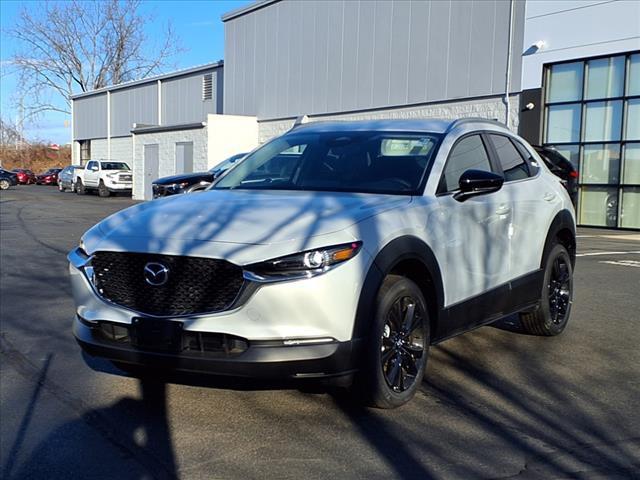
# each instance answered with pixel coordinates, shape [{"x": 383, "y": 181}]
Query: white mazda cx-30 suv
[{"x": 339, "y": 249}]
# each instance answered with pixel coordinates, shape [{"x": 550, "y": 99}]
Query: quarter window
[
  {"x": 513, "y": 165},
  {"x": 468, "y": 154}
]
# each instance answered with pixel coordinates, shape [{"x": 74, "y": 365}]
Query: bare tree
[{"x": 77, "y": 46}]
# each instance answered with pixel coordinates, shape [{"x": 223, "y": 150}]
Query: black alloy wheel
[
  {"x": 402, "y": 344},
  {"x": 559, "y": 290},
  {"x": 396, "y": 352},
  {"x": 551, "y": 315}
]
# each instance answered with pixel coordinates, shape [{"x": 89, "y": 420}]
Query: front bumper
[
  {"x": 119, "y": 186},
  {"x": 259, "y": 360},
  {"x": 292, "y": 328}
]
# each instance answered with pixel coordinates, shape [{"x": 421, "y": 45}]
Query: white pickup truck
[{"x": 105, "y": 176}]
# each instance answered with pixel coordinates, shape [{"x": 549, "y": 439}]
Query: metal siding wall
[
  {"x": 319, "y": 56},
  {"x": 320, "y": 86},
  {"x": 418, "y": 51},
  {"x": 137, "y": 104},
  {"x": 459, "y": 48},
  {"x": 182, "y": 99},
  {"x": 366, "y": 39},
  {"x": 438, "y": 51},
  {"x": 381, "y": 53},
  {"x": 517, "y": 46},
  {"x": 481, "y": 56},
  {"x": 399, "y": 72},
  {"x": 90, "y": 117}
]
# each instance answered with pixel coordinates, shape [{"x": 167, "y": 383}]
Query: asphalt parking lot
[{"x": 494, "y": 404}]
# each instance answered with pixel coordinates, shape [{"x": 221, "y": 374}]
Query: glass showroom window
[{"x": 592, "y": 117}]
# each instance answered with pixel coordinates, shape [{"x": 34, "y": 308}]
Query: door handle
[
  {"x": 549, "y": 196},
  {"x": 503, "y": 210}
]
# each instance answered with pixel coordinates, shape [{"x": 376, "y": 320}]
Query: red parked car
[
  {"x": 50, "y": 177},
  {"x": 24, "y": 176}
]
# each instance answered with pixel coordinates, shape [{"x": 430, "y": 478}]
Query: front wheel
[
  {"x": 398, "y": 345},
  {"x": 552, "y": 313},
  {"x": 4, "y": 184},
  {"x": 60, "y": 187},
  {"x": 103, "y": 191}
]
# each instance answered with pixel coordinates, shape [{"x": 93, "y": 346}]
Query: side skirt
[{"x": 517, "y": 295}]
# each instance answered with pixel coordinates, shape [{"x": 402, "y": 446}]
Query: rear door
[{"x": 532, "y": 202}]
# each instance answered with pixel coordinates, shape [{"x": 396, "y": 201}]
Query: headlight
[
  {"x": 178, "y": 187},
  {"x": 302, "y": 265}
]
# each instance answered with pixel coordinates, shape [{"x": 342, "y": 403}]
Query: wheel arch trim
[
  {"x": 396, "y": 251},
  {"x": 562, "y": 221}
]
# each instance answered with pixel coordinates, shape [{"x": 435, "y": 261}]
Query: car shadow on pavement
[{"x": 138, "y": 428}]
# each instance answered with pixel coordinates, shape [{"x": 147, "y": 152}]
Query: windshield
[
  {"x": 114, "y": 166},
  {"x": 363, "y": 162}
]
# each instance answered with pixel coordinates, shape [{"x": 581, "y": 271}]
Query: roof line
[
  {"x": 238, "y": 12},
  {"x": 176, "y": 73}
]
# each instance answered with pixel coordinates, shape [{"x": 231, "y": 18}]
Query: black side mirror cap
[{"x": 477, "y": 182}]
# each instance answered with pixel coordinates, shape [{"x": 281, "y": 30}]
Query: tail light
[{"x": 573, "y": 174}]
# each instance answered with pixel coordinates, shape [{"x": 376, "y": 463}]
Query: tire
[
  {"x": 394, "y": 361},
  {"x": 551, "y": 315},
  {"x": 103, "y": 191},
  {"x": 80, "y": 190},
  {"x": 4, "y": 184},
  {"x": 60, "y": 187}
]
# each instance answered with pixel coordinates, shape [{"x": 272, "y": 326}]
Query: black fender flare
[
  {"x": 562, "y": 221},
  {"x": 402, "y": 248}
]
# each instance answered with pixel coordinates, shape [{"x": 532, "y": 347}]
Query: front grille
[
  {"x": 159, "y": 190},
  {"x": 194, "y": 285},
  {"x": 126, "y": 178}
]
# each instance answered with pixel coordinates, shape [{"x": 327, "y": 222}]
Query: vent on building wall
[{"x": 207, "y": 86}]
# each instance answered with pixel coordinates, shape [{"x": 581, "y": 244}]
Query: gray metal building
[
  {"x": 368, "y": 58},
  {"x": 158, "y": 125}
]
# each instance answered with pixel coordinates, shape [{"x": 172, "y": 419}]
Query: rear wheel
[
  {"x": 4, "y": 184},
  {"x": 552, "y": 313},
  {"x": 80, "y": 190},
  {"x": 60, "y": 187},
  {"x": 398, "y": 346},
  {"x": 103, "y": 191}
]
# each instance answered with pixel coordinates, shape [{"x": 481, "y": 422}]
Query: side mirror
[{"x": 478, "y": 182}]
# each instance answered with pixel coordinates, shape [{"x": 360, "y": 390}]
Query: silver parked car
[{"x": 66, "y": 178}]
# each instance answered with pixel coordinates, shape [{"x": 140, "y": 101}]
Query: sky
[{"x": 196, "y": 22}]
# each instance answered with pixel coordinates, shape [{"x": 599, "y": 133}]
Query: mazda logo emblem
[{"x": 156, "y": 274}]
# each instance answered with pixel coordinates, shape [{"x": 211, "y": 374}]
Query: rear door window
[{"x": 513, "y": 165}]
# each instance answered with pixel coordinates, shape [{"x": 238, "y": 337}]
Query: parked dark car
[
  {"x": 50, "y": 177},
  {"x": 7, "y": 179},
  {"x": 191, "y": 182},
  {"x": 561, "y": 167},
  {"x": 67, "y": 178},
  {"x": 24, "y": 176}
]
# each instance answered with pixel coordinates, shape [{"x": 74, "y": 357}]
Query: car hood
[
  {"x": 185, "y": 177},
  {"x": 181, "y": 224}
]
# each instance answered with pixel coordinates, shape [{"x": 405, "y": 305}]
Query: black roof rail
[{"x": 460, "y": 121}]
